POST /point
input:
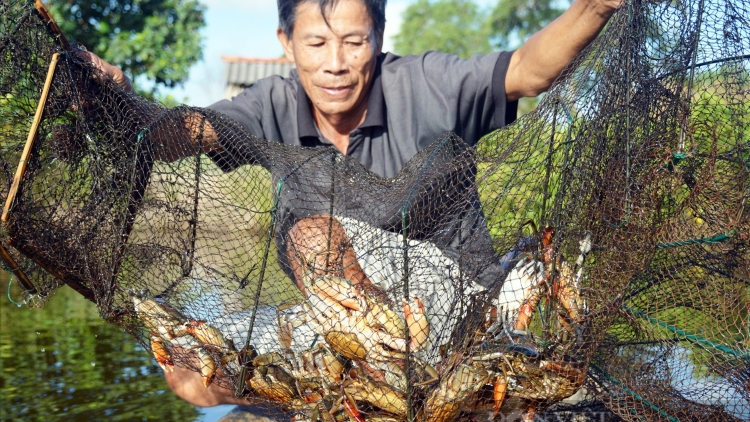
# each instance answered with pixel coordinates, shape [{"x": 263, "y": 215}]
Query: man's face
[{"x": 335, "y": 61}]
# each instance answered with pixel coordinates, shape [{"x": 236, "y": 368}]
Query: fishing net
[{"x": 596, "y": 248}]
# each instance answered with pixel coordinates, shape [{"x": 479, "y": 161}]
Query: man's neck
[{"x": 336, "y": 128}]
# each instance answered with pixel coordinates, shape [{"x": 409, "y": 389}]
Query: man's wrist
[{"x": 125, "y": 83}]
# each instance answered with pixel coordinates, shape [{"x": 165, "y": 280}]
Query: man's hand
[
  {"x": 608, "y": 7},
  {"x": 107, "y": 69},
  {"x": 188, "y": 385},
  {"x": 535, "y": 66},
  {"x": 170, "y": 144}
]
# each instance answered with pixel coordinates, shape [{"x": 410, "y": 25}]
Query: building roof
[{"x": 244, "y": 71}]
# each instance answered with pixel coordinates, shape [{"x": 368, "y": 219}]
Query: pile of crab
[{"x": 364, "y": 365}]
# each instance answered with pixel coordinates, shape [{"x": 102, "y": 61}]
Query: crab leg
[
  {"x": 520, "y": 292},
  {"x": 208, "y": 367},
  {"x": 351, "y": 408},
  {"x": 416, "y": 320},
  {"x": 569, "y": 284}
]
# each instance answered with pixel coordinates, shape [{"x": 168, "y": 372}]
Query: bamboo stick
[
  {"x": 50, "y": 21},
  {"x": 23, "y": 163},
  {"x": 16, "y": 270},
  {"x": 31, "y": 252}
]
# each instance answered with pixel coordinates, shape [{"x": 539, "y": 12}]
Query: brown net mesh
[{"x": 597, "y": 248}]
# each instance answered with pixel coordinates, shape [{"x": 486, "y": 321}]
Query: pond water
[{"x": 63, "y": 362}]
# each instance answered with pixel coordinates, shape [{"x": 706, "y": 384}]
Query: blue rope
[
  {"x": 10, "y": 282},
  {"x": 706, "y": 240}
]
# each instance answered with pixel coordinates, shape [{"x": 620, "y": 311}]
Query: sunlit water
[{"x": 63, "y": 362}]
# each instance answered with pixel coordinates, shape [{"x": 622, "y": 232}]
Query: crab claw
[
  {"x": 416, "y": 320},
  {"x": 208, "y": 367},
  {"x": 325, "y": 308},
  {"x": 500, "y": 388},
  {"x": 206, "y": 334},
  {"x": 337, "y": 289},
  {"x": 161, "y": 354}
]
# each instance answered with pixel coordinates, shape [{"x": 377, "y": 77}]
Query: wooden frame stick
[
  {"x": 23, "y": 163},
  {"x": 50, "y": 21},
  {"x": 16, "y": 270},
  {"x": 21, "y": 171}
]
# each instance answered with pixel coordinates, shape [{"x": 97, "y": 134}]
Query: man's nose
[{"x": 336, "y": 61}]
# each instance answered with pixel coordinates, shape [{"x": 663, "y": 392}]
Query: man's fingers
[{"x": 107, "y": 69}]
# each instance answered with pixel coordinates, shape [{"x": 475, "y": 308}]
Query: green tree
[
  {"x": 453, "y": 26},
  {"x": 155, "y": 39},
  {"x": 512, "y": 22}
]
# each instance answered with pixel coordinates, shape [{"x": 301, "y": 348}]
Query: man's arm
[
  {"x": 537, "y": 64},
  {"x": 172, "y": 146}
]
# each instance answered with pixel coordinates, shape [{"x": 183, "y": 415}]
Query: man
[{"x": 380, "y": 109}]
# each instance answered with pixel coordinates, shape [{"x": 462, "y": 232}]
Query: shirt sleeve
[
  {"x": 445, "y": 93},
  {"x": 245, "y": 110},
  {"x": 505, "y": 111}
]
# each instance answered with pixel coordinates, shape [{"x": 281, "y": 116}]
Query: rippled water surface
[{"x": 63, "y": 362}]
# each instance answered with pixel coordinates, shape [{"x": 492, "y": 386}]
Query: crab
[
  {"x": 361, "y": 387},
  {"x": 522, "y": 372},
  {"x": 170, "y": 328},
  {"x": 314, "y": 372},
  {"x": 311, "y": 382},
  {"x": 539, "y": 274},
  {"x": 165, "y": 324},
  {"x": 356, "y": 324},
  {"x": 454, "y": 392},
  {"x": 159, "y": 316},
  {"x": 333, "y": 408},
  {"x": 209, "y": 336},
  {"x": 273, "y": 383},
  {"x": 567, "y": 285},
  {"x": 392, "y": 372}
]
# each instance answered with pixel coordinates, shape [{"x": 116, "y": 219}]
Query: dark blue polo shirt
[{"x": 413, "y": 101}]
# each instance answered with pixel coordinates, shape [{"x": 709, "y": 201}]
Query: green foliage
[
  {"x": 512, "y": 22},
  {"x": 169, "y": 100},
  {"x": 157, "y": 39},
  {"x": 451, "y": 26},
  {"x": 460, "y": 27}
]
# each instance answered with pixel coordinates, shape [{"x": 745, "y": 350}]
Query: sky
[{"x": 248, "y": 28}]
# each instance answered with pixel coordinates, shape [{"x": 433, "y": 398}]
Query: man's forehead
[{"x": 343, "y": 17}]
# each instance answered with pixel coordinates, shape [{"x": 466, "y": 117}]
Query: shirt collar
[{"x": 376, "y": 115}]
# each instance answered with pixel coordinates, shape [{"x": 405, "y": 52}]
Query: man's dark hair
[{"x": 288, "y": 13}]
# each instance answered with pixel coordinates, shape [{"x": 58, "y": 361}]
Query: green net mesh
[{"x": 589, "y": 262}]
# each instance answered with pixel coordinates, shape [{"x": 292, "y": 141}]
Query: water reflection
[{"x": 64, "y": 363}]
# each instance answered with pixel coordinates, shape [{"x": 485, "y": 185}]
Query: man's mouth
[{"x": 337, "y": 91}]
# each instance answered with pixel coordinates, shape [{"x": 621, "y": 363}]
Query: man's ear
[{"x": 286, "y": 44}]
